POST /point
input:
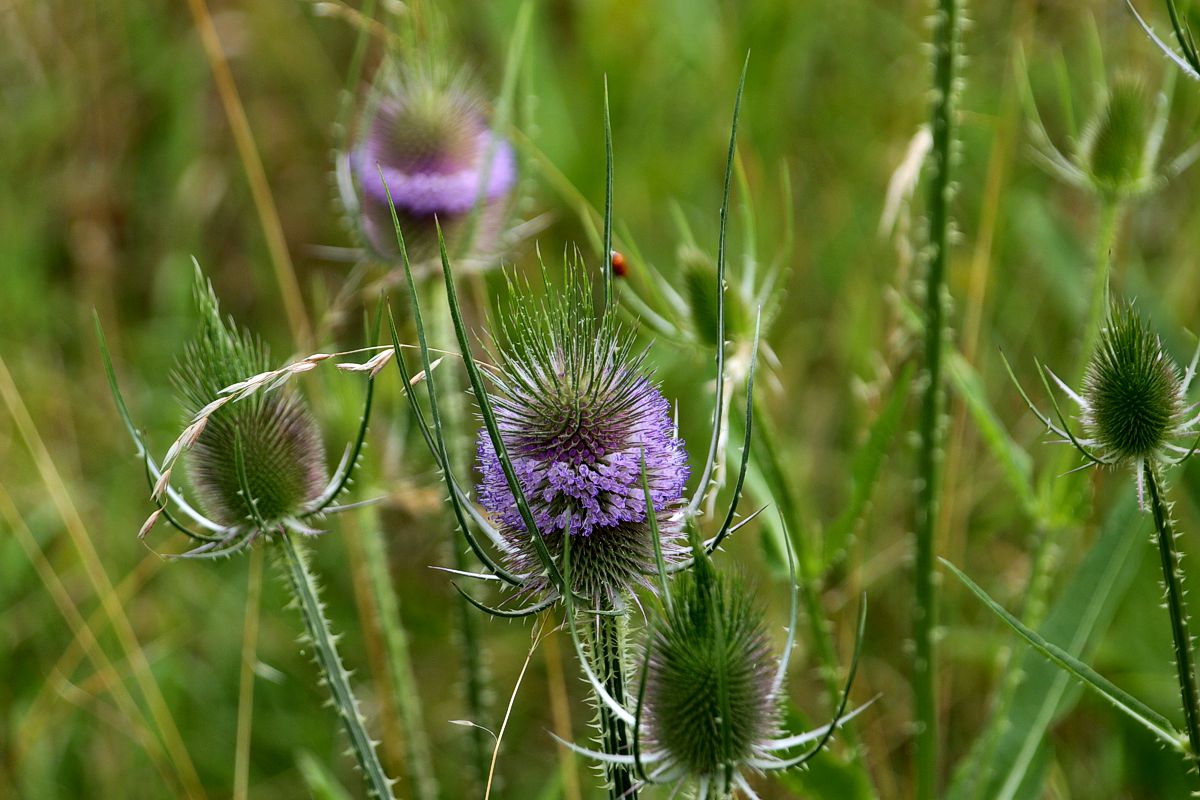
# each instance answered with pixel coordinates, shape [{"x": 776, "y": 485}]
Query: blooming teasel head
[
  {"x": 255, "y": 454},
  {"x": 710, "y": 698},
  {"x": 579, "y": 414},
  {"x": 1133, "y": 404},
  {"x": 574, "y": 430},
  {"x": 425, "y": 139}
]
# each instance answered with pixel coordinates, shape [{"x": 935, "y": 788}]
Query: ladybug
[{"x": 620, "y": 266}]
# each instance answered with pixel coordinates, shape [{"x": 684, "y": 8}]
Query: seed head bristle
[{"x": 1132, "y": 388}]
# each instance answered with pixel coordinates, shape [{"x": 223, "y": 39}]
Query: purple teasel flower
[
  {"x": 430, "y": 139},
  {"x": 579, "y": 415},
  {"x": 573, "y": 429}
]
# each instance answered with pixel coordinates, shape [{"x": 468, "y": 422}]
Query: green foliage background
[{"x": 117, "y": 165}]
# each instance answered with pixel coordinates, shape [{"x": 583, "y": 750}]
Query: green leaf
[
  {"x": 1153, "y": 721},
  {"x": 1014, "y": 461},
  {"x": 1003, "y": 758},
  {"x": 321, "y": 783},
  {"x": 865, "y": 469}
]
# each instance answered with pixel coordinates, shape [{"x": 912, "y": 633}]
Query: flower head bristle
[
  {"x": 1132, "y": 389},
  {"x": 577, "y": 413},
  {"x": 272, "y": 433}
]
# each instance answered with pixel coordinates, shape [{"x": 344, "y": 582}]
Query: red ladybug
[{"x": 620, "y": 266}]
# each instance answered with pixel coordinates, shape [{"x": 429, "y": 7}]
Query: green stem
[
  {"x": 304, "y": 587},
  {"x": 615, "y": 734},
  {"x": 475, "y": 679},
  {"x": 1172, "y": 567},
  {"x": 1106, "y": 240},
  {"x": 404, "y": 682},
  {"x": 946, "y": 46}
]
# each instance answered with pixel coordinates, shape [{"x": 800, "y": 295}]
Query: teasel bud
[
  {"x": 268, "y": 441},
  {"x": 1133, "y": 403},
  {"x": 425, "y": 139},
  {"x": 709, "y": 697},
  {"x": 1119, "y": 153},
  {"x": 577, "y": 411},
  {"x": 699, "y": 272},
  {"x": 1133, "y": 392},
  {"x": 1113, "y": 148}
]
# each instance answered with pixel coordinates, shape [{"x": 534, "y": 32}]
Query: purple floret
[
  {"x": 445, "y": 188},
  {"x": 588, "y": 485}
]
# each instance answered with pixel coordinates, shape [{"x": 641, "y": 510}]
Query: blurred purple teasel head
[{"x": 425, "y": 139}]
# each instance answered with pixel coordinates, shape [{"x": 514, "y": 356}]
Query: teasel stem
[
  {"x": 1172, "y": 567},
  {"x": 616, "y": 736},
  {"x": 947, "y": 25},
  {"x": 1106, "y": 239},
  {"x": 304, "y": 588}
]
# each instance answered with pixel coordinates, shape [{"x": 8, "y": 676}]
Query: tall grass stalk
[
  {"x": 947, "y": 29},
  {"x": 1172, "y": 568},
  {"x": 110, "y": 602},
  {"x": 245, "y": 714}
]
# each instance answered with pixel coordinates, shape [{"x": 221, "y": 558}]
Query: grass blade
[{"x": 1135, "y": 709}]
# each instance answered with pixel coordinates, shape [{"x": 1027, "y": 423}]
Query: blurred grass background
[{"x": 117, "y": 166}]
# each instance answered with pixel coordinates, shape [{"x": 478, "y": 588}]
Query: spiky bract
[
  {"x": 709, "y": 700},
  {"x": 279, "y": 442},
  {"x": 577, "y": 412},
  {"x": 1132, "y": 389},
  {"x": 428, "y": 135}
]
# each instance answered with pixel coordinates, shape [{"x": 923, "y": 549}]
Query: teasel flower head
[
  {"x": 1118, "y": 154},
  {"x": 252, "y": 448},
  {"x": 1133, "y": 404},
  {"x": 579, "y": 450},
  {"x": 1113, "y": 147},
  {"x": 579, "y": 413},
  {"x": 425, "y": 139},
  {"x": 710, "y": 692},
  {"x": 272, "y": 435}
]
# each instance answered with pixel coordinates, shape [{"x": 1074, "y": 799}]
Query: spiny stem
[
  {"x": 946, "y": 32},
  {"x": 616, "y": 736},
  {"x": 1172, "y": 568},
  {"x": 304, "y": 587}
]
